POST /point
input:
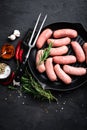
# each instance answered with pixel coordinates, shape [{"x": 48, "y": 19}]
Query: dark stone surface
[{"x": 24, "y": 112}]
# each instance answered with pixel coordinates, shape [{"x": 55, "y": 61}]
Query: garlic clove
[
  {"x": 12, "y": 37},
  {"x": 17, "y": 33}
]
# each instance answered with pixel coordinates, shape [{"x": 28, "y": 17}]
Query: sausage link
[
  {"x": 59, "y": 42},
  {"x": 62, "y": 75},
  {"x": 58, "y": 51},
  {"x": 85, "y": 50},
  {"x": 68, "y": 59},
  {"x": 50, "y": 70},
  {"x": 40, "y": 67},
  {"x": 65, "y": 32},
  {"x": 80, "y": 55},
  {"x": 43, "y": 37},
  {"x": 78, "y": 71}
]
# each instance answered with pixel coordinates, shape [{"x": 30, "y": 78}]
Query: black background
[{"x": 23, "y": 112}]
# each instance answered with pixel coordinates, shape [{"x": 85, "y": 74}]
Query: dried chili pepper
[
  {"x": 18, "y": 47},
  {"x": 21, "y": 55}
]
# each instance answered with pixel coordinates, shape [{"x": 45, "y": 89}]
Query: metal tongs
[{"x": 21, "y": 68}]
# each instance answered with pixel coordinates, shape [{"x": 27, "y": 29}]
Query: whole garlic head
[
  {"x": 12, "y": 37},
  {"x": 17, "y": 33}
]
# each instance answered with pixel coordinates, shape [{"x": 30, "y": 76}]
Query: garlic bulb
[
  {"x": 12, "y": 37},
  {"x": 17, "y": 33}
]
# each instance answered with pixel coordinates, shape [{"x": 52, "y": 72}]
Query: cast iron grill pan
[{"x": 59, "y": 85}]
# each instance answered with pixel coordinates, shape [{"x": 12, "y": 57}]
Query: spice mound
[
  {"x": 5, "y": 70},
  {"x": 7, "y": 51}
]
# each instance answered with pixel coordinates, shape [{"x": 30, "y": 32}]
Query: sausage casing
[
  {"x": 65, "y": 32},
  {"x": 62, "y": 75},
  {"x": 40, "y": 66},
  {"x": 43, "y": 37},
  {"x": 50, "y": 70},
  {"x": 78, "y": 71},
  {"x": 85, "y": 50},
  {"x": 78, "y": 51},
  {"x": 58, "y": 51},
  {"x": 59, "y": 42},
  {"x": 67, "y": 59}
]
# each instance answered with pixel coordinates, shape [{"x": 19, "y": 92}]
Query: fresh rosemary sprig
[
  {"x": 45, "y": 54},
  {"x": 30, "y": 85}
]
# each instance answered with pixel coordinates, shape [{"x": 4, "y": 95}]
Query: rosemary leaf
[
  {"x": 12, "y": 87},
  {"x": 45, "y": 54}
]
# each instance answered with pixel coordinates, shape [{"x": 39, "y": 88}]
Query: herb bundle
[{"x": 30, "y": 85}]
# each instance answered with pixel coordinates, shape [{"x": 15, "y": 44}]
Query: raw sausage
[
  {"x": 80, "y": 55},
  {"x": 43, "y": 37},
  {"x": 58, "y": 51},
  {"x": 62, "y": 75},
  {"x": 68, "y": 59},
  {"x": 85, "y": 50},
  {"x": 78, "y": 71},
  {"x": 40, "y": 66},
  {"x": 65, "y": 32},
  {"x": 59, "y": 42},
  {"x": 50, "y": 70}
]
